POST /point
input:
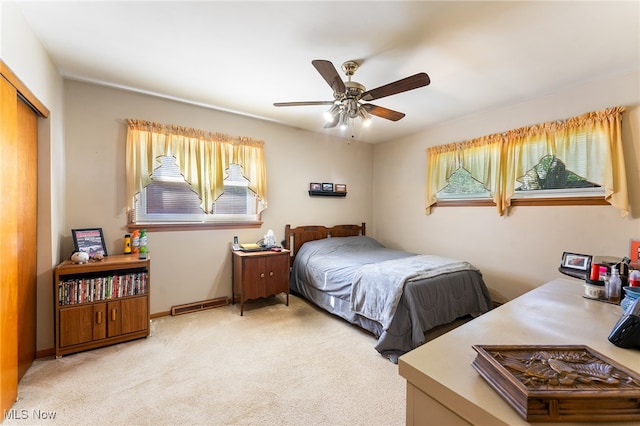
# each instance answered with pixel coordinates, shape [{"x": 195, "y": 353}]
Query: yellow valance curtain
[
  {"x": 201, "y": 156},
  {"x": 480, "y": 157},
  {"x": 590, "y": 145}
]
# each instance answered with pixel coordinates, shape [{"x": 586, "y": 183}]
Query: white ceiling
[{"x": 244, "y": 56}]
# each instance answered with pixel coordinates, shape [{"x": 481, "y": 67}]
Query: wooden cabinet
[
  {"x": 259, "y": 274},
  {"x": 101, "y": 303}
]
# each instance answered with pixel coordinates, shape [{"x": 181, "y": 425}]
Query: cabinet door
[
  {"x": 99, "y": 321},
  {"x": 134, "y": 315},
  {"x": 277, "y": 271},
  {"x": 76, "y": 325},
  {"x": 254, "y": 277},
  {"x": 114, "y": 322}
]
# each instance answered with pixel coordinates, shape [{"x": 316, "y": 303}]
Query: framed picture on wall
[
  {"x": 328, "y": 187},
  {"x": 90, "y": 241},
  {"x": 315, "y": 186},
  {"x": 340, "y": 187}
]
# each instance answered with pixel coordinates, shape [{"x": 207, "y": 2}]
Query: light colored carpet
[{"x": 276, "y": 365}]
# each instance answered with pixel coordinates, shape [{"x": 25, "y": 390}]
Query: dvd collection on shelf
[{"x": 87, "y": 289}]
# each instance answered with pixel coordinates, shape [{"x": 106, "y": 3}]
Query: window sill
[
  {"x": 157, "y": 227},
  {"x": 560, "y": 201},
  {"x": 515, "y": 202}
]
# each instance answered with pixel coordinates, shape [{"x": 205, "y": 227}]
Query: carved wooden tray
[{"x": 560, "y": 383}]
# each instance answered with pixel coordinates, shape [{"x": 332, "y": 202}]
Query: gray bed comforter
[{"x": 420, "y": 292}]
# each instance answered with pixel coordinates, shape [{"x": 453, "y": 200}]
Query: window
[
  {"x": 170, "y": 199},
  {"x": 548, "y": 178},
  {"x": 579, "y": 160},
  {"x": 237, "y": 198},
  {"x": 462, "y": 185},
  {"x": 186, "y": 177}
]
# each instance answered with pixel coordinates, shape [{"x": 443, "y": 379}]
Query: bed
[{"x": 395, "y": 295}]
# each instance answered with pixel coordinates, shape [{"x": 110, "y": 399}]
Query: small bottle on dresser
[
  {"x": 135, "y": 242},
  {"x": 614, "y": 286}
]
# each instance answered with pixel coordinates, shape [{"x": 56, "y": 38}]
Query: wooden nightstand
[{"x": 259, "y": 274}]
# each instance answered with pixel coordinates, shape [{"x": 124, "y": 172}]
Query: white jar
[{"x": 593, "y": 291}]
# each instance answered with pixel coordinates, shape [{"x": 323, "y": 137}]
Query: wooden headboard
[{"x": 294, "y": 238}]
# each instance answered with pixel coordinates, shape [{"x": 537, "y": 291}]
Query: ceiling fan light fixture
[
  {"x": 346, "y": 106},
  {"x": 366, "y": 117},
  {"x": 344, "y": 120},
  {"x": 331, "y": 113}
]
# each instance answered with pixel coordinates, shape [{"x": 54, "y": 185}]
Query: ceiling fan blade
[
  {"x": 404, "y": 85},
  {"x": 303, "y": 103},
  {"x": 330, "y": 75},
  {"x": 379, "y": 111}
]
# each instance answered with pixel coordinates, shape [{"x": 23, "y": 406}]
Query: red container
[{"x": 595, "y": 272}]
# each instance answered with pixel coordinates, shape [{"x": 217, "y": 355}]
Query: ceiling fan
[{"x": 348, "y": 95}]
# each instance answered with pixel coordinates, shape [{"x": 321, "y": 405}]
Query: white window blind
[{"x": 169, "y": 198}]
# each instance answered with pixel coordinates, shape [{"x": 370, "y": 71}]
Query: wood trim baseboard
[{"x": 46, "y": 353}]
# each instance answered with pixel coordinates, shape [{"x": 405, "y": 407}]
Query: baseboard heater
[{"x": 199, "y": 306}]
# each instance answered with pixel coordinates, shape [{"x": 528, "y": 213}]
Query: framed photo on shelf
[
  {"x": 315, "y": 186},
  {"x": 327, "y": 187},
  {"x": 579, "y": 262},
  {"x": 634, "y": 251},
  {"x": 90, "y": 241},
  {"x": 340, "y": 187}
]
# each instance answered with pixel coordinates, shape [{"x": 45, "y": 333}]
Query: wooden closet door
[
  {"x": 19, "y": 112},
  {"x": 27, "y": 135},
  {"x": 8, "y": 245}
]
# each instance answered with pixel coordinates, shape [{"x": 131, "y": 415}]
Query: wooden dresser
[{"x": 444, "y": 389}]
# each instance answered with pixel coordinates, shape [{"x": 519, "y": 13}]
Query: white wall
[
  {"x": 520, "y": 251},
  {"x": 25, "y": 56},
  {"x": 190, "y": 266}
]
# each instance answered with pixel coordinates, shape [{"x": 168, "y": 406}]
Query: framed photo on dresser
[{"x": 90, "y": 241}]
